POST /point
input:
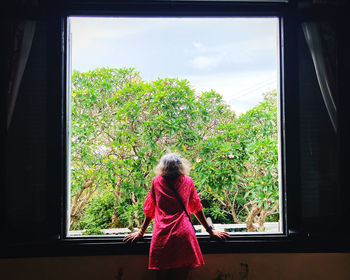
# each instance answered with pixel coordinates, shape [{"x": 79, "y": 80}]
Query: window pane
[{"x": 205, "y": 88}]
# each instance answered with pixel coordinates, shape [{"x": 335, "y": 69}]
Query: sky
[{"x": 237, "y": 57}]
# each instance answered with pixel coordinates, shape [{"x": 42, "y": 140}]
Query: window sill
[{"x": 115, "y": 246}]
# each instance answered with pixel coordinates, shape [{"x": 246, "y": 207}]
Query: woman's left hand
[{"x": 133, "y": 237}]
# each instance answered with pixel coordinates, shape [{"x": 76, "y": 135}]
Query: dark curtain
[
  {"x": 19, "y": 45},
  {"x": 320, "y": 38}
]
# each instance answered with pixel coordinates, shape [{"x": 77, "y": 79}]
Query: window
[{"x": 206, "y": 88}]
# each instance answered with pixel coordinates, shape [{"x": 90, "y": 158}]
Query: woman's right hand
[
  {"x": 133, "y": 237},
  {"x": 219, "y": 234}
]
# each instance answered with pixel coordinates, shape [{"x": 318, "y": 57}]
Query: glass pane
[{"x": 205, "y": 88}]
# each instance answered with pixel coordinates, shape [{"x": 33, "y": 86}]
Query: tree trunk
[
  {"x": 262, "y": 219},
  {"x": 116, "y": 192},
  {"x": 80, "y": 201},
  {"x": 231, "y": 206},
  {"x": 250, "y": 219}
]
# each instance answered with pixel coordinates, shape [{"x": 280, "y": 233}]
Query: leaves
[{"x": 121, "y": 125}]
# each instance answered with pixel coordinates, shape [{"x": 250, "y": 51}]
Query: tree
[
  {"x": 238, "y": 166},
  {"x": 122, "y": 125}
]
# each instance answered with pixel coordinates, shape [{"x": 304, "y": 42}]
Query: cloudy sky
[{"x": 237, "y": 57}]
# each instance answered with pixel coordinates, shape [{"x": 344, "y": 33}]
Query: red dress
[{"x": 174, "y": 242}]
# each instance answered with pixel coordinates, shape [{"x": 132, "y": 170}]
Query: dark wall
[{"x": 218, "y": 267}]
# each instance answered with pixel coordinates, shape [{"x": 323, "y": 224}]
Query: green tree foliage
[
  {"x": 122, "y": 125},
  {"x": 238, "y": 167}
]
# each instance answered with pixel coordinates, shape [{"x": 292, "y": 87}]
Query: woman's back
[{"x": 167, "y": 201}]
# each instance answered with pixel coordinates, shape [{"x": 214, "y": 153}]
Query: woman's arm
[
  {"x": 215, "y": 233},
  {"x": 134, "y": 236}
]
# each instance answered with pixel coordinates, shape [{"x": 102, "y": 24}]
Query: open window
[
  {"x": 313, "y": 145},
  {"x": 206, "y": 88}
]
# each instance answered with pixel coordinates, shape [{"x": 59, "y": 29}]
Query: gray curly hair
[{"x": 172, "y": 165}]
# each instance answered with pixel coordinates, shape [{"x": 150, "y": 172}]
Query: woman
[{"x": 174, "y": 246}]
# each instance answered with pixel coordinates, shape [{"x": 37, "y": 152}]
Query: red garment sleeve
[
  {"x": 149, "y": 205},
  {"x": 194, "y": 204}
]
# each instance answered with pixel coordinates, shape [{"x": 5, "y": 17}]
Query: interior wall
[{"x": 334, "y": 266}]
